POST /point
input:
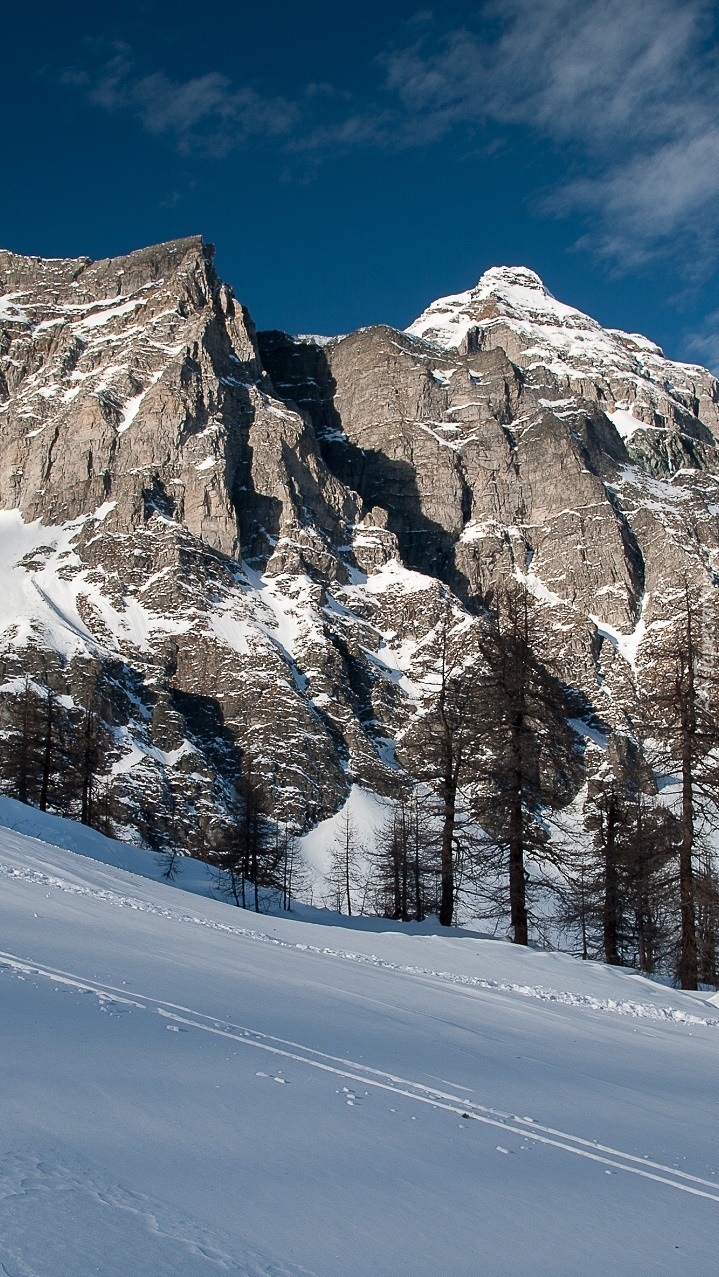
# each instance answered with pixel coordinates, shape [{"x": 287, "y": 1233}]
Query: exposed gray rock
[{"x": 243, "y": 543}]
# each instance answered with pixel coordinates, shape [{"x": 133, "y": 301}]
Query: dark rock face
[{"x": 241, "y": 542}]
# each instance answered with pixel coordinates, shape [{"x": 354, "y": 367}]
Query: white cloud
[
  {"x": 666, "y": 200},
  {"x": 626, "y": 90},
  {"x": 705, "y": 344},
  {"x": 627, "y": 87},
  {"x": 206, "y": 113}
]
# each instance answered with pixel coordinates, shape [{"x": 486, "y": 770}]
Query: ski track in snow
[
  {"x": 639, "y": 1010},
  {"x": 353, "y": 1071}
]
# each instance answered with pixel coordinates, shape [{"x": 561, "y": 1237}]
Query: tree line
[
  {"x": 55, "y": 757},
  {"x": 609, "y": 855},
  {"x": 53, "y": 752}
]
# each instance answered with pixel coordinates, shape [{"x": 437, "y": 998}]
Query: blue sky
[{"x": 352, "y": 162}]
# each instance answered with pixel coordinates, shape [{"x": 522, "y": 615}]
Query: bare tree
[
  {"x": 706, "y": 882},
  {"x": 291, "y": 872},
  {"x": 344, "y": 881},
  {"x": 524, "y": 750},
  {"x": 37, "y": 760},
  {"x": 22, "y": 724},
  {"x": 441, "y": 743},
  {"x": 681, "y": 703},
  {"x": 88, "y": 744},
  {"x": 49, "y": 742},
  {"x": 248, "y": 854},
  {"x": 404, "y": 862}
]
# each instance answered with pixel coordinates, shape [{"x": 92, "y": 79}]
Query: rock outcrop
[{"x": 242, "y": 542}]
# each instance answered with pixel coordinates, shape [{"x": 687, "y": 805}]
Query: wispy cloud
[
  {"x": 705, "y": 344},
  {"x": 627, "y": 87},
  {"x": 627, "y": 91},
  {"x": 206, "y": 114}
]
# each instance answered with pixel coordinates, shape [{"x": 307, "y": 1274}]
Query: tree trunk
[
  {"x": 254, "y": 874},
  {"x": 517, "y": 877},
  {"x": 446, "y": 908},
  {"x": 24, "y": 757},
  {"x": 418, "y": 910},
  {"x": 611, "y": 886},
  {"x": 348, "y": 884},
  {"x": 583, "y": 915},
  {"x": 405, "y": 867},
  {"x": 688, "y": 962},
  {"x": 87, "y": 772},
  {"x": 47, "y": 753},
  {"x": 396, "y": 884}
]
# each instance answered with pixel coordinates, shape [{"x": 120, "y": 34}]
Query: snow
[
  {"x": 626, "y": 644},
  {"x": 44, "y": 598},
  {"x": 314, "y": 339},
  {"x": 10, "y": 311},
  {"x": 235, "y": 632},
  {"x": 480, "y": 530},
  {"x": 446, "y": 1103},
  {"x": 521, "y": 297},
  {"x": 97, "y": 318},
  {"x": 367, "y": 811},
  {"x": 132, "y": 407},
  {"x": 27, "y": 599},
  {"x": 103, "y": 510},
  {"x": 538, "y": 589},
  {"x": 550, "y": 334},
  {"x": 625, "y": 423},
  {"x": 588, "y": 732},
  {"x": 394, "y": 576},
  {"x": 443, "y": 376},
  {"x": 130, "y": 411},
  {"x": 284, "y": 610}
]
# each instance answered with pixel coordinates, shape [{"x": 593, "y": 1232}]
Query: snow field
[{"x": 191, "y": 1088}]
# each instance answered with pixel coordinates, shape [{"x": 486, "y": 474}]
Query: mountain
[
  {"x": 626, "y": 374},
  {"x": 239, "y": 539}
]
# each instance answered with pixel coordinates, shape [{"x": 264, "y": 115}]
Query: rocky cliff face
[{"x": 243, "y": 540}]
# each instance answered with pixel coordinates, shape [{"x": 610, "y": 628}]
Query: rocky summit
[{"x": 241, "y": 538}]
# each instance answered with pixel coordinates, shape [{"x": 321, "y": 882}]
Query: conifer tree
[
  {"x": 681, "y": 703},
  {"x": 249, "y": 854},
  {"x": 441, "y": 743},
  {"x": 524, "y": 751},
  {"x": 344, "y": 879},
  {"x": 404, "y": 862}
]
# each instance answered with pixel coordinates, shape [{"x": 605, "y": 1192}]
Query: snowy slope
[{"x": 447, "y": 1105}]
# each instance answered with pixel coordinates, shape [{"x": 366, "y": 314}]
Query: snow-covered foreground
[{"x": 190, "y": 1089}]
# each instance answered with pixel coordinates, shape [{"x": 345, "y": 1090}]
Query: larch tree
[
  {"x": 441, "y": 742},
  {"x": 344, "y": 879},
  {"x": 680, "y": 693},
  {"x": 404, "y": 861},
  {"x": 524, "y": 757}
]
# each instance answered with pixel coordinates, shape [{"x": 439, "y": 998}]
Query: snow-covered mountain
[
  {"x": 191, "y": 1089},
  {"x": 636, "y": 385},
  {"x": 230, "y": 538}
]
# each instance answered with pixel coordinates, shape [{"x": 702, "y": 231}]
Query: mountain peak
[
  {"x": 513, "y": 292},
  {"x": 512, "y": 276}
]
